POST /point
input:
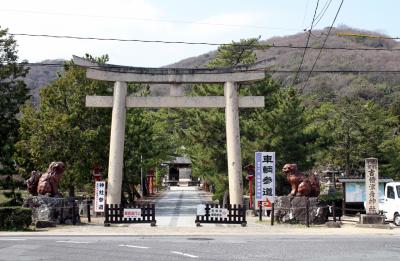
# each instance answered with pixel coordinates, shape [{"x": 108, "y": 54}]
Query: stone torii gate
[{"x": 120, "y": 101}]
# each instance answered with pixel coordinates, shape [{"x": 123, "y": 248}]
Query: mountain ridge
[{"x": 380, "y": 86}]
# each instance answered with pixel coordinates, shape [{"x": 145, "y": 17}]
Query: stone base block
[
  {"x": 251, "y": 213},
  {"x": 380, "y": 226},
  {"x": 333, "y": 224},
  {"x": 44, "y": 224},
  {"x": 372, "y": 219},
  {"x": 293, "y": 210},
  {"x": 48, "y": 211}
]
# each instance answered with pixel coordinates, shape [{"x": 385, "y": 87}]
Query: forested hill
[
  {"x": 40, "y": 76},
  {"x": 383, "y": 87}
]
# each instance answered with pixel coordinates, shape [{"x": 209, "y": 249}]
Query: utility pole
[{"x": 141, "y": 175}]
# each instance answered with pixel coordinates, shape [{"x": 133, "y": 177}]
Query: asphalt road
[
  {"x": 177, "y": 207},
  {"x": 202, "y": 248}
]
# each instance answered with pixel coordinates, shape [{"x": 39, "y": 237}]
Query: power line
[
  {"x": 308, "y": 39},
  {"x": 367, "y": 36},
  {"x": 322, "y": 10},
  {"x": 320, "y": 51},
  {"x": 261, "y": 46},
  {"x": 337, "y": 71},
  {"x": 115, "y": 68},
  {"x": 112, "y": 39},
  {"x": 152, "y": 20},
  {"x": 322, "y": 13},
  {"x": 266, "y": 46}
]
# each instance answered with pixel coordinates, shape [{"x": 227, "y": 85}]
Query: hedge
[
  {"x": 11, "y": 203},
  {"x": 15, "y": 218}
]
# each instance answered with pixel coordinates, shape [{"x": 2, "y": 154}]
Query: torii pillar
[
  {"x": 233, "y": 143},
  {"x": 119, "y": 102},
  {"x": 117, "y": 140}
]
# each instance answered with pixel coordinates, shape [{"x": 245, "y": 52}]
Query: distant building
[{"x": 180, "y": 172}]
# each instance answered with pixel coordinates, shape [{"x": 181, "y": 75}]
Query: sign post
[
  {"x": 251, "y": 190},
  {"x": 265, "y": 177},
  {"x": 250, "y": 177},
  {"x": 372, "y": 194},
  {"x": 99, "y": 196},
  {"x": 371, "y": 186}
]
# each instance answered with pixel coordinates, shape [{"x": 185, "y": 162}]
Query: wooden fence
[
  {"x": 114, "y": 214},
  {"x": 214, "y": 213}
]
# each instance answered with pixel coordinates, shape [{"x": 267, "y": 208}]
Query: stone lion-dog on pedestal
[
  {"x": 47, "y": 183},
  {"x": 301, "y": 184}
]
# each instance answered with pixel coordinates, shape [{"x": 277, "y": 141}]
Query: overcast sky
[{"x": 219, "y": 21}]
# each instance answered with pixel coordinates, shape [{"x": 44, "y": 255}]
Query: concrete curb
[
  {"x": 348, "y": 227},
  {"x": 379, "y": 226},
  {"x": 206, "y": 229}
]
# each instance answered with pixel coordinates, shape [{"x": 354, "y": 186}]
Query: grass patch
[{"x": 2, "y": 197}]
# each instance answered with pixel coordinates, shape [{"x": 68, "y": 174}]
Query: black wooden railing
[
  {"x": 236, "y": 215},
  {"x": 114, "y": 214}
]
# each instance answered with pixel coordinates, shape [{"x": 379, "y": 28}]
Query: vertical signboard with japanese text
[
  {"x": 371, "y": 186},
  {"x": 99, "y": 196},
  {"x": 265, "y": 176}
]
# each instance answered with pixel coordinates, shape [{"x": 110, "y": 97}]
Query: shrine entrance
[
  {"x": 173, "y": 176},
  {"x": 229, "y": 77}
]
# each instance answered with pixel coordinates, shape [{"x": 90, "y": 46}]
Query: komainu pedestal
[
  {"x": 49, "y": 211},
  {"x": 293, "y": 210}
]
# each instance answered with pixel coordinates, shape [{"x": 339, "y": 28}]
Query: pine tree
[
  {"x": 353, "y": 130},
  {"x": 63, "y": 129},
  {"x": 13, "y": 93},
  {"x": 147, "y": 143},
  {"x": 288, "y": 135},
  {"x": 204, "y": 130}
]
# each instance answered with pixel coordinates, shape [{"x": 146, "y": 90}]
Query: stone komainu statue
[
  {"x": 46, "y": 184},
  {"x": 301, "y": 185},
  {"x": 32, "y": 183}
]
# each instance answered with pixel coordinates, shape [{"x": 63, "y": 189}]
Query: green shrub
[
  {"x": 331, "y": 197},
  {"x": 8, "y": 203},
  {"x": 15, "y": 218},
  {"x": 14, "y": 201}
]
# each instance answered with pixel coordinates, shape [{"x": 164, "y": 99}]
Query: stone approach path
[{"x": 177, "y": 206}]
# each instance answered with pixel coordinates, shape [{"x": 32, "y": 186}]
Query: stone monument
[{"x": 372, "y": 215}]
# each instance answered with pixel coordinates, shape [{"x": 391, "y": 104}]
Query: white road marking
[
  {"x": 184, "y": 254},
  {"x": 73, "y": 242},
  {"x": 143, "y": 247},
  {"x": 12, "y": 239}
]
